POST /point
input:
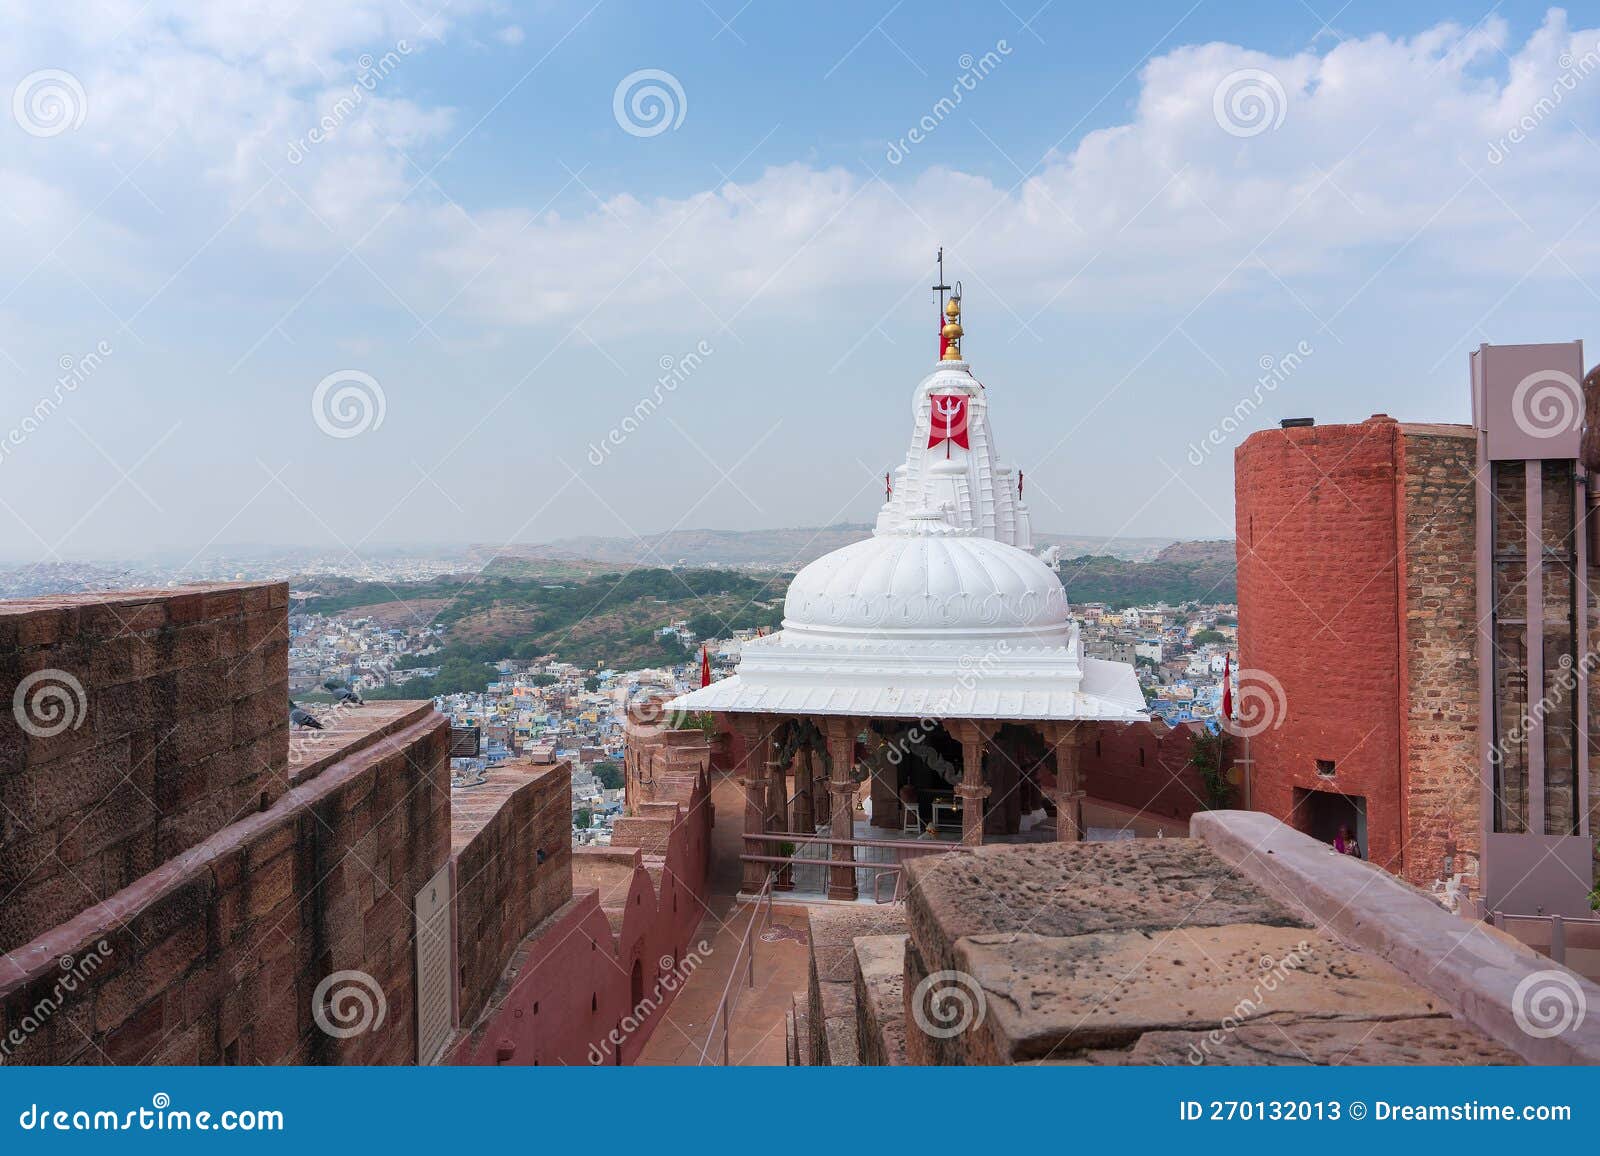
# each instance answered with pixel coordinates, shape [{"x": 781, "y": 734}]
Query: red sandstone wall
[
  {"x": 1145, "y": 767},
  {"x": 180, "y": 731},
  {"x": 214, "y": 958},
  {"x": 1357, "y": 594},
  {"x": 502, "y": 890},
  {"x": 574, "y": 983},
  {"x": 1317, "y": 528}
]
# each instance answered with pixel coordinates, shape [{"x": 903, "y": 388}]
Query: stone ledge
[
  {"x": 347, "y": 730},
  {"x": 23, "y": 965},
  {"x": 880, "y": 1000},
  {"x": 831, "y": 1005},
  {"x": 1469, "y": 966},
  {"x": 1433, "y": 1042},
  {"x": 1048, "y": 996},
  {"x": 1065, "y": 889}
]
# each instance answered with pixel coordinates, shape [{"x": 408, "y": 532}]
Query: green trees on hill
[
  {"x": 457, "y": 675},
  {"x": 610, "y": 618},
  {"x": 1199, "y": 572}
]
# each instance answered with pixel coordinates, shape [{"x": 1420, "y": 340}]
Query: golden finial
[{"x": 952, "y": 329}]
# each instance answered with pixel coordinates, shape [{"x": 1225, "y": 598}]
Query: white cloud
[
  {"x": 1383, "y": 143},
  {"x": 511, "y": 35}
]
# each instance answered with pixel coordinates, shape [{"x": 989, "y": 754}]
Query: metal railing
[
  {"x": 903, "y": 849},
  {"x": 1559, "y": 928},
  {"x": 746, "y": 953}
]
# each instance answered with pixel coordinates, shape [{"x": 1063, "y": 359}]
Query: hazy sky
[{"x": 217, "y": 216}]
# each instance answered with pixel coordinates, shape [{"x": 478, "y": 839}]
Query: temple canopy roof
[{"x": 943, "y": 612}]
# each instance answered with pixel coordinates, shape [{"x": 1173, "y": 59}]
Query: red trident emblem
[{"x": 947, "y": 419}]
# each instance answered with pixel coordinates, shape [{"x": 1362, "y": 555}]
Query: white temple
[
  {"x": 936, "y": 662},
  {"x": 943, "y": 612}
]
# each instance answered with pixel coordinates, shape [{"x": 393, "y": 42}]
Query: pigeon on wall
[{"x": 343, "y": 692}]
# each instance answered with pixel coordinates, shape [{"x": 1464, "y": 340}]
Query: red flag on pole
[
  {"x": 947, "y": 419},
  {"x": 705, "y": 667},
  {"x": 1227, "y": 686}
]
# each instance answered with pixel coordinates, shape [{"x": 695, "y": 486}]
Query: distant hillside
[
  {"x": 609, "y": 620},
  {"x": 775, "y": 549},
  {"x": 1183, "y": 572},
  {"x": 788, "y": 548},
  {"x": 1128, "y": 549}
]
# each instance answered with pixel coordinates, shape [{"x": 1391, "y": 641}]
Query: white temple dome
[{"x": 928, "y": 579}]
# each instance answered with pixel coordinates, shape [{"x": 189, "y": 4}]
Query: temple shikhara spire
[{"x": 952, "y": 467}]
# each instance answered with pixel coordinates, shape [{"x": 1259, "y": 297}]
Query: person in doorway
[{"x": 1345, "y": 843}]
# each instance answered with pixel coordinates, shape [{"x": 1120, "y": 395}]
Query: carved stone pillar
[
  {"x": 804, "y": 815},
  {"x": 973, "y": 737},
  {"x": 841, "y": 734},
  {"x": 886, "y": 808},
  {"x": 1001, "y": 773},
  {"x": 1067, "y": 739},
  {"x": 756, "y": 733},
  {"x": 777, "y": 786}
]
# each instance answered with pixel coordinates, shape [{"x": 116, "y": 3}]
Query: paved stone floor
[{"x": 782, "y": 953}]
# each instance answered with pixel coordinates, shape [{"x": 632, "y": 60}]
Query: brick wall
[
  {"x": 1441, "y": 788},
  {"x": 1317, "y": 523},
  {"x": 1357, "y": 597},
  {"x": 215, "y": 957},
  {"x": 503, "y": 891},
  {"x": 178, "y": 731}
]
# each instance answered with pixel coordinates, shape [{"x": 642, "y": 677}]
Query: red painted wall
[
  {"x": 1319, "y": 617},
  {"x": 574, "y": 987},
  {"x": 1145, "y": 767}
]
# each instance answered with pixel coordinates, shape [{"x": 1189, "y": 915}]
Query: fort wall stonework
[{"x": 1358, "y": 637}]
